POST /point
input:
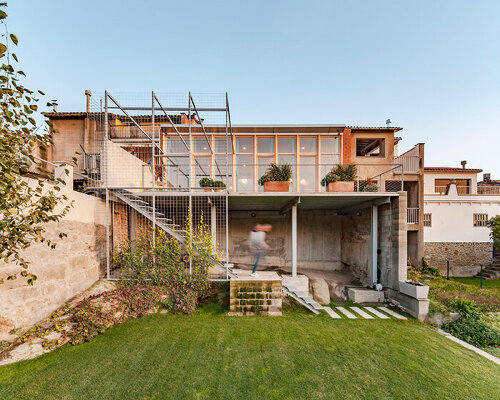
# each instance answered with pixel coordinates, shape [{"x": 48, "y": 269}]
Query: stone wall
[
  {"x": 465, "y": 257},
  {"x": 74, "y": 265},
  {"x": 255, "y": 297},
  {"x": 355, "y": 244}
]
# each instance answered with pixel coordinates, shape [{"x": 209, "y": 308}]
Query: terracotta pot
[
  {"x": 217, "y": 190},
  {"x": 340, "y": 186},
  {"x": 208, "y": 190},
  {"x": 276, "y": 186}
]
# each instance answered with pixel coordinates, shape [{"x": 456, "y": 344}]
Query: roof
[
  {"x": 82, "y": 114},
  {"x": 451, "y": 169},
  {"x": 376, "y": 128}
]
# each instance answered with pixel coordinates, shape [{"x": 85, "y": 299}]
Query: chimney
[
  {"x": 464, "y": 163},
  {"x": 88, "y": 93},
  {"x": 487, "y": 177}
]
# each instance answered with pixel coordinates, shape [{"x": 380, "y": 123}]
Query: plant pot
[
  {"x": 340, "y": 186},
  {"x": 217, "y": 190},
  {"x": 208, "y": 190},
  {"x": 275, "y": 186},
  {"x": 414, "y": 289}
]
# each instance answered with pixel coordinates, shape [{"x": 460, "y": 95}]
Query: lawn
[
  {"x": 297, "y": 356},
  {"x": 487, "y": 283}
]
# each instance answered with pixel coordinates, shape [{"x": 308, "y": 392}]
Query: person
[{"x": 258, "y": 244}]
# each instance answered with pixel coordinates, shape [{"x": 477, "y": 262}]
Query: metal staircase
[{"x": 161, "y": 221}]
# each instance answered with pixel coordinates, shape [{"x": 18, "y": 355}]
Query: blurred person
[{"x": 258, "y": 245}]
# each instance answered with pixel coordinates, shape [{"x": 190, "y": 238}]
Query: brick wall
[{"x": 346, "y": 146}]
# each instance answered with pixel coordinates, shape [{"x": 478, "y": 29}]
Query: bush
[
  {"x": 428, "y": 269},
  {"x": 206, "y": 182},
  {"x": 473, "y": 331},
  {"x": 468, "y": 309},
  {"x": 277, "y": 173},
  {"x": 342, "y": 173}
]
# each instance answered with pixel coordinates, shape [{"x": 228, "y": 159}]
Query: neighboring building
[
  {"x": 456, "y": 208},
  {"x": 149, "y": 169}
]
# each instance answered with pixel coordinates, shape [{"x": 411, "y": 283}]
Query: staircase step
[
  {"x": 392, "y": 313},
  {"x": 332, "y": 313},
  {"x": 377, "y": 313},
  {"x": 347, "y": 313},
  {"x": 361, "y": 312}
]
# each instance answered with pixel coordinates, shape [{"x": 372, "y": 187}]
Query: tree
[{"x": 28, "y": 196}]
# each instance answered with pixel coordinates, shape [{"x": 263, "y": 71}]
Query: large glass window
[
  {"x": 244, "y": 173},
  {"x": 262, "y": 166},
  {"x": 330, "y": 155},
  {"x": 201, "y": 169},
  {"x": 222, "y": 145},
  {"x": 307, "y": 181},
  {"x": 224, "y": 169},
  {"x": 175, "y": 144},
  {"x": 201, "y": 144},
  {"x": 307, "y": 145},
  {"x": 177, "y": 172},
  {"x": 329, "y": 145},
  {"x": 286, "y": 145},
  {"x": 265, "y": 145},
  {"x": 244, "y": 145}
]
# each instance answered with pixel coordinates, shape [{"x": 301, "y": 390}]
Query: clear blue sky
[{"x": 433, "y": 67}]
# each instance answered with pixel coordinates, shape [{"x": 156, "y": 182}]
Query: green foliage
[
  {"x": 206, "y": 182},
  {"x": 219, "y": 184},
  {"x": 473, "y": 331},
  {"x": 494, "y": 225},
  {"x": 277, "y": 173},
  {"x": 28, "y": 195},
  {"x": 427, "y": 269},
  {"x": 468, "y": 309},
  {"x": 341, "y": 173},
  {"x": 163, "y": 265}
]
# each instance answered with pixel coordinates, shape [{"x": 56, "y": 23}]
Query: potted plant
[
  {"x": 277, "y": 178},
  {"x": 218, "y": 186},
  {"x": 340, "y": 178},
  {"x": 416, "y": 290},
  {"x": 207, "y": 183}
]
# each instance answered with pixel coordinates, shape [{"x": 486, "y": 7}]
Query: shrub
[
  {"x": 277, "y": 173},
  {"x": 428, "y": 269},
  {"x": 219, "y": 184},
  {"x": 473, "y": 331},
  {"x": 468, "y": 309},
  {"x": 206, "y": 182},
  {"x": 342, "y": 173}
]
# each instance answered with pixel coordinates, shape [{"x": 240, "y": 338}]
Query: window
[
  {"x": 307, "y": 145},
  {"x": 370, "y": 147},
  {"x": 286, "y": 145},
  {"x": 244, "y": 173},
  {"x": 480, "y": 219},
  {"x": 262, "y": 166},
  {"x": 307, "y": 174},
  {"x": 463, "y": 185},
  {"x": 244, "y": 145},
  {"x": 287, "y": 155},
  {"x": 265, "y": 145},
  {"x": 201, "y": 145},
  {"x": 222, "y": 145},
  {"x": 330, "y": 155},
  {"x": 176, "y": 145},
  {"x": 427, "y": 219}
]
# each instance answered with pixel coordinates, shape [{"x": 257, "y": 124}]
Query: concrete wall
[
  {"x": 318, "y": 238},
  {"x": 430, "y": 177},
  {"x": 355, "y": 244},
  {"x": 125, "y": 169},
  {"x": 74, "y": 265}
]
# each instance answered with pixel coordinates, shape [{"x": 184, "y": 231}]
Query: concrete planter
[
  {"x": 340, "y": 186},
  {"x": 275, "y": 186},
  {"x": 414, "y": 289}
]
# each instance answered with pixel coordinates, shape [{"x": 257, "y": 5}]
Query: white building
[{"x": 456, "y": 208}]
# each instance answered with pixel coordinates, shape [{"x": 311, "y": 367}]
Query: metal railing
[
  {"x": 465, "y": 190},
  {"x": 245, "y": 178},
  {"x": 412, "y": 215},
  {"x": 410, "y": 163}
]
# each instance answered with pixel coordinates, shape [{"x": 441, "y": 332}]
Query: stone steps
[{"x": 353, "y": 312}]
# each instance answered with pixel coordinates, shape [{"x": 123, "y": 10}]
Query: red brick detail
[{"x": 346, "y": 146}]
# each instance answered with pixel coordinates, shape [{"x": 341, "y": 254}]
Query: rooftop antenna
[{"x": 388, "y": 122}]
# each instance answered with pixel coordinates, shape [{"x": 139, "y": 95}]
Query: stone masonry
[
  {"x": 255, "y": 297},
  {"x": 465, "y": 257}
]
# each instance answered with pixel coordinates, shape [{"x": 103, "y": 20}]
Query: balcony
[
  {"x": 412, "y": 215},
  {"x": 483, "y": 190}
]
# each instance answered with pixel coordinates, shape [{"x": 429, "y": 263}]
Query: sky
[{"x": 432, "y": 67}]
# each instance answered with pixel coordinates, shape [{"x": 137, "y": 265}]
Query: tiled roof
[{"x": 451, "y": 169}]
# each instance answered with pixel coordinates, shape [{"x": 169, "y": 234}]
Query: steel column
[
  {"x": 374, "y": 244},
  {"x": 294, "y": 240}
]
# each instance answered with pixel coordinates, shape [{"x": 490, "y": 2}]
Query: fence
[{"x": 412, "y": 215}]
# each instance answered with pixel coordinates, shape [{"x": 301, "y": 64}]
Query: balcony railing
[
  {"x": 244, "y": 178},
  {"x": 465, "y": 190},
  {"x": 410, "y": 163},
  {"x": 412, "y": 215}
]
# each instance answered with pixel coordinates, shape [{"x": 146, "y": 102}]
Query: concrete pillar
[
  {"x": 294, "y": 240},
  {"x": 374, "y": 245}
]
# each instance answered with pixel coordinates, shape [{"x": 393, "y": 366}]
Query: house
[
  {"x": 456, "y": 208},
  {"x": 148, "y": 162}
]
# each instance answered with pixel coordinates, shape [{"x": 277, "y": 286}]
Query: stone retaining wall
[
  {"x": 255, "y": 297},
  {"x": 465, "y": 257}
]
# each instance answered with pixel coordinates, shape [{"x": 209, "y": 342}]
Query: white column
[
  {"x": 374, "y": 244},
  {"x": 294, "y": 240}
]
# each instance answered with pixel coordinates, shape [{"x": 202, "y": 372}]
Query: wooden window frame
[{"x": 479, "y": 223}]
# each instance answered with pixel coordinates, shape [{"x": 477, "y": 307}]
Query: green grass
[
  {"x": 297, "y": 356},
  {"x": 487, "y": 283}
]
